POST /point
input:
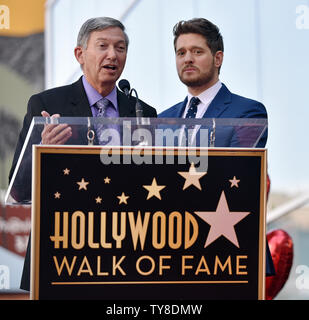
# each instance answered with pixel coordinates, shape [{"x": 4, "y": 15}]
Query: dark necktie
[
  {"x": 191, "y": 113},
  {"x": 194, "y": 102}
]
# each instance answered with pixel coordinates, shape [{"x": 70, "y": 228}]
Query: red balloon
[
  {"x": 267, "y": 186},
  {"x": 281, "y": 249}
]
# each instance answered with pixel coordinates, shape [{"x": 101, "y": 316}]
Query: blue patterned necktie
[
  {"x": 194, "y": 102},
  {"x": 191, "y": 113}
]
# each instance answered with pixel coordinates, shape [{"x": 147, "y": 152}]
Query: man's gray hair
[{"x": 98, "y": 24}]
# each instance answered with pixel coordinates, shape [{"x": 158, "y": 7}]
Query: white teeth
[{"x": 110, "y": 67}]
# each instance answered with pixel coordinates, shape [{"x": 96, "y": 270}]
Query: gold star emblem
[
  {"x": 123, "y": 198},
  {"x": 192, "y": 177},
  {"x": 82, "y": 184},
  {"x": 234, "y": 182},
  {"x": 107, "y": 180},
  {"x": 98, "y": 199},
  {"x": 57, "y": 195},
  {"x": 154, "y": 189},
  {"x": 66, "y": 171}
]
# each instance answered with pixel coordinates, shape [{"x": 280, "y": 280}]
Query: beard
[{"x": 200, "y": 80}]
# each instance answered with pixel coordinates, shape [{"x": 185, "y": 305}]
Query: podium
[{"x": 164, "y": 210}]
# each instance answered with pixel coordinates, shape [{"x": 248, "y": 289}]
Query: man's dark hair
[{"x": 201, "y": 26}]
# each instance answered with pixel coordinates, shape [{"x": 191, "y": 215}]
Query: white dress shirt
[{"x": 206, "y": 97}]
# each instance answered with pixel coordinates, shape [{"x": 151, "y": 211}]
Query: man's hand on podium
[{"x": 55, "y": 133}]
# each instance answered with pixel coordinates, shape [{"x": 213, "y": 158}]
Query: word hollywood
[{"x": 170, "y": 236}]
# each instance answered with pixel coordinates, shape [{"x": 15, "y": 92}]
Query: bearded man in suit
[{"x": 199, "y": 49}]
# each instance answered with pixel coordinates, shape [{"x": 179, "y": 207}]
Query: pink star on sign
[{"x": 222, "y": 222}]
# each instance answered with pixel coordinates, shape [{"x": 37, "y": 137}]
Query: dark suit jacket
[
  {"x": 229, "y": 105},
  {"x": 68, "y": 101},
  {"x": 226, "y": 105}
]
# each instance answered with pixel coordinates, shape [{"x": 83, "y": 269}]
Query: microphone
[{"x": 124, "y": 86}]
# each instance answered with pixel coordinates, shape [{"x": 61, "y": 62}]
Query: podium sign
[{"x": 154, "y": 223}]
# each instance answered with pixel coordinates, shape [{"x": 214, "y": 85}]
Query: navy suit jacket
[{"x": 227, "y": 105}]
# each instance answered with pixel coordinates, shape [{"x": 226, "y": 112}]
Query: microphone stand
[
  {"x": 139, "y": 117},
  {"x": 138, "y": 107}
]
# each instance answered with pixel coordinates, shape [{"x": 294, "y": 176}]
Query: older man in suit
[
  {"x": 101, "y": 51},
  {"x": 199, "y": 50}
]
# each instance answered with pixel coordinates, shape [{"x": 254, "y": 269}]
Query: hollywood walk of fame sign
[{"x": 148, "y": 230}]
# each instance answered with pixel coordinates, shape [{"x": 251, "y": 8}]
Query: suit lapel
[
  {"x": 219, "y": 103},
  {"x": 126, "y": 107},
  {"x": 79, "y": 101},
  {"x": 182, "y": 108},
  {"x": 80, "y": 105}
]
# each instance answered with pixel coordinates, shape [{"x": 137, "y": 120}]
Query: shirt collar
[
  {"x": 94, "y": 96},
  {"x": 208, "y": 95}
]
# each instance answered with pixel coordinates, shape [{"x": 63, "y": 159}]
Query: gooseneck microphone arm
[
  {"x": 124, "y": 86},
  {"x": 138, "y": 106}
]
